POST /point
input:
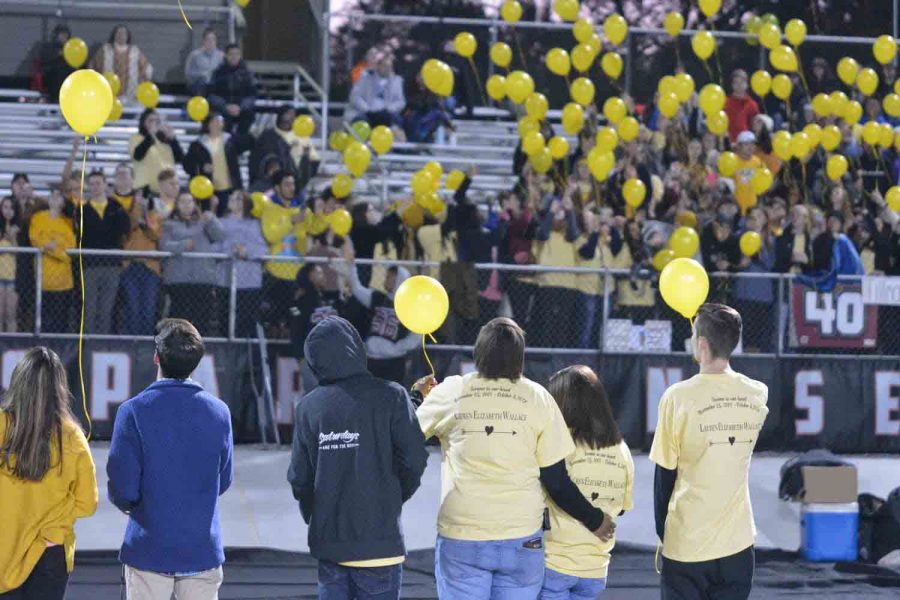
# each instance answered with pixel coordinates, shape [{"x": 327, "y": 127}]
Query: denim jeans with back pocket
[
  {"x": 337, "y": 582},
  {"x": 559, "y": 586}
]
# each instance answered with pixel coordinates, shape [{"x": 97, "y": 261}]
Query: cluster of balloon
[
  {"x": 684, "y": 286},
  {"x": 425, "y": 183}
]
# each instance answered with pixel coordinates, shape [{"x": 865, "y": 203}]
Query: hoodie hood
[
  {"x": 402, "y": 275},
  {"x": 334, "y": 351}
]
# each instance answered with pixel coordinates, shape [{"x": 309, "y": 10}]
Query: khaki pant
[{"x": 146, "y": 585}]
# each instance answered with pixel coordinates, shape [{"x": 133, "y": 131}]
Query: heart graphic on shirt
[
  {"x": 489, "y": 429},
  {"x": 594, "y": 496},
  {"x": 731, "y": 440}
]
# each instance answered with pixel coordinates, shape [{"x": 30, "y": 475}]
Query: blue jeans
[
  {"x": 141, "y": 287},
  {"x": 588, "y": 304},
  {"x": 337, "y": 582},
  {"x": 494, "y": 570},
  {"x": 558, "y": 586}
]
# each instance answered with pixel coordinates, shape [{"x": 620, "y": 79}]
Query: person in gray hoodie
[
  {"x": 377, "y": 97},
  {"x": 191, "y": 281},
  {"x": 201, "y": 63}
]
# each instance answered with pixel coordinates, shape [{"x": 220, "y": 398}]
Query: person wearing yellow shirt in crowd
[
  {"x": 47, "y": 480},
  {"x": 153, "y": 149},
  {"x": 215, "y": 154},
  {"x": 141, "y": 277},
  {"x": 594, "y": 253},
  {"x": 748, "y": 163},
  {"x": 502, "y": 437},
  {"x": 707, "y": 429},
  {"x": 52, "y": 232},
  {"x": 9, "y": 237},
  {"x": 576, "y": 561}
]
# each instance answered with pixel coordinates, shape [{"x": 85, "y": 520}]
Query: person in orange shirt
[
  {"x": 748, "y": 163},
  {"x": 47, "y": 480}
]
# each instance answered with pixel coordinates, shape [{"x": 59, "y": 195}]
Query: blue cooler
[{"x": 829, "y": 532}]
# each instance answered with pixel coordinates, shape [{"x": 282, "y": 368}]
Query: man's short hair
[
  {"x": 125, "y": 165},
  {"x": 179, "y": 348},
  {"x": 738, "y": 73},
  {"x": 166, "y": 174},
  {"x": 207, "y": 31},
  {"x": 20, "y": 177},
  {"x": 280, "y": 176},
  {"x": 231, "y": 46},
  {"x": 721, "y": 326},
  {"x": 500, "y": 350},
  {"x": 97, "y": 173}
]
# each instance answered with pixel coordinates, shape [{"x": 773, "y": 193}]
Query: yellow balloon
[
  {"x": 559, "y": 147},
  {"x": 541, "y": 161},
  {"x": 684, "y": 286},
  {"x": 198, "y": 109},
  {"x": 800, "y": 145},
  {"x": 594, "y": 45},
  {"x": 867, "y": 81},
  {"x": 438, "y": 77},
  {"x": 614, "y": 110},
  {"x": 784, "y": 58},
  {"x": 147, "y": 94},
  {"x": 795, "y": 32},
  {"x": 684, "y": 87},
  {"x": 496, "y": 87},
  {"x": 853, "y": 112},
  {"x": 662, "y": 258},
  {"x": 421, "y": 304},
  {"x": 668, "y": 104},
  {"x": 847, "y": 70},
  {"x": 769, "y": 35},
  {"x": 710, "y": 7},
  {"x": 421, "y": 182},
  {"x": 717, "y": 123},
  {"x": 751, "y": 26},
  {"x": 836, "y": 167},
  {"x": 75, "y": 52},
  {"x": 667, "y": 85},
  {"x": 607, "y": 139},
  {"x": 242, "y": 3},
  {"x": 583, "y": 29},
  {"x": 712, "y": 98},
  {"x": 887, "y": 136},
  {"x": 114, "y": 82},
  {"x": 357, "y": 158},
  {"x": 454, "y": 179},
  {"x": 891, "y": 104},
  {"x": 814, "y": 132},
  {"x": 634, "y": 192},
  {"x": 340, "y": 222},
  {"x": 338, "y": 141},
  {"x": 201, "y": 187},
  {"x": 831, "y": 137},
  {"x": 558, "y": 62},
  {"x": 511, "y": 11},
  {"x": 536, "y": 106},
  {"x": 612, "y": 64},
  {"x": 582, "y": 91},
  {"x": 600, "y": 163},
  {"x": 761, "y": 83},
  {"x": 628, "y": 129},
  {"x": 782, "y": 86},
  {"x": 728, "y": 164},
  {"x": 750, "y": 243},
  {"x": 821, "y": 104},
  {"x": 884, "y": 49},
  {"x": 871, "y": 133},
  {"x": 519, "y": 85},
  {"x": 86, "y": 101},
  {"x": 673, "y": 23},
  {"x": 436, "y": 170},
  {"x": 341, "y": 185},
  {"x": 684, "y": 242},
  {"x": 464, "y": 43},
  {"x": 572, "y": 118},
  {"x": 838, "y": 102},
  {"x": 781, "y": 145},
  {"x": 893, "y": 198},
  {"x": 116, "y": 112},
  {"x": 567, "y": 9},
  {"x": 703, "y": 44},
  {"x": 583, "y": 56},
  {"x": 382, "y": 139},
  {"x": 362, "y": 129},
  {"x": 761, "y": 180},
  {"x": 527, "y": 125},
  {"x": 533, "y": 143},
  {"x": 616, "y": 28},
  {"x": 501, "y": 54}
]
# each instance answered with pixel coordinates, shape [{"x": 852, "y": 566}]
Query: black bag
[
  {"x": 879, "y": 526},
  {"x": 791, "y": 486}
]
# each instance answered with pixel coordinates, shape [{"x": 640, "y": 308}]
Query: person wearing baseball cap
[{"x": 748, "y": 163}]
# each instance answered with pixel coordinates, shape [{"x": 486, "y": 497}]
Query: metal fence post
[
  {"x": 38, "y": 291},
  {"x": 232, "y": 298},
  {"x": 492, "y": 31},
  {"x": 326, "y": 76},
  {"x": 779, "y": 306},
  {"x": 231, "y": 28}
]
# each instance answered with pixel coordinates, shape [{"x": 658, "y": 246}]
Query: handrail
[{"x": 74, "y": 4}]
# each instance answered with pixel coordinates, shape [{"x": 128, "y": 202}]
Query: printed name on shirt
[{"x": 340, "y": 440}]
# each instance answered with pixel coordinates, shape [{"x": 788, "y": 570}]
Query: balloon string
[
  {"x": 425, "y": 352},
  {"x": 184, "y": 16},
  {"x": 716, "y": 52},
  {"x": 656, "y": 558},
  {"x": 519, "y": 48},
  {"x": 800, "y": 72},
  {"x": 708, "y": 70},
  {"x": 478, "y": 81},
  {"x": 81, "y": 276}
]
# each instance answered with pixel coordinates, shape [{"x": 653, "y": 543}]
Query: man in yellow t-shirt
[
  {"x": 707, "y": 429},
  {"x": 748, "y": 163}
]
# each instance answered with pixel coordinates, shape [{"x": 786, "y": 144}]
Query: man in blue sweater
[
  {"x": 358, "y": 455},
  {"x": 169, "y": 461}
]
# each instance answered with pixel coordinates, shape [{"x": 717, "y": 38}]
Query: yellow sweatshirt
[
  {"x": 37, "y": 512},
  {"x": 557, "y": 252},
  {"x": 283, "y": 236},
  {"x": 56, "y": 265}
]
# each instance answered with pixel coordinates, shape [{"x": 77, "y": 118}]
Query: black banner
[{"x": 849, "y": 406}]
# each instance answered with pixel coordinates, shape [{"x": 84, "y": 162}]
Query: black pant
[
  {"x": 240, "y": 124},
  {"x": 47, "y": 580},
  {"x": 278, "y": 295},
  {"x": 193, "y": 302},
  {"x": 55, "y": 307},
  {"x": 729, "y": 578},
  {"x": 553, "y": 318}
]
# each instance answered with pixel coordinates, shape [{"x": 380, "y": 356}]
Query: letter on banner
[
  {"x": 289, "y": 388},
  {"x": 813, "y": 404},
  {"x": 10, "y": 359},
  {"x": 887, "y": 403},
  {"x": 110, "y": 382},
  {"x": 659, "y": 379},
  {"x": 205, "y": 375}
]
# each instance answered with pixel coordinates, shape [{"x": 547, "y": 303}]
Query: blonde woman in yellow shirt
[
  {"x": 601, "y": 466},
  {"x": 53, "y": 234},
  {"x": 47, "y": 479}
]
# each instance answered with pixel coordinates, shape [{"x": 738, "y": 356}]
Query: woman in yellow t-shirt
[
  {"x": 9, "y": 237},
  {"x": 154, "y": 148},
  {"x": 52, "y": 232},
  {"x": 602, "y": 468},
  {"x": 47, "y": 479}
]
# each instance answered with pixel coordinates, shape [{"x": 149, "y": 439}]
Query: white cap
[{"x": 746, "y": 137}]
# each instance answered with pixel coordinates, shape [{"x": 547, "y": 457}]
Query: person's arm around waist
[{"x": 567, "y": 496}]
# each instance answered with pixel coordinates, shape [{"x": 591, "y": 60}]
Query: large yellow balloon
[
  {"x": 836, "y": 167},
  {"x": 421, "y": 182},
  {"x": 496, "y": 87},
  {"x": 813, "y": 131},
  {"x": 634, "y": 192},
  {"x": 338, "y": 140},
  {"x": 464, "y": 43},
  {"x": 668, "y": 104},
  {"x": 147, "y": 94},
  {"x": 750, "y": 243},
  {"x": 536, "y": 106},
  {"x": 684, "y": 87},
  {"x": 421, "y": 304},
  {"x": 782, "y": 86},
  {"x": 628, "y": 129},
  {"x": 583, "y": 56},
  {"x": 559, "y": 147},
  {"x": 712, "y": 98},
  {"x": 838, "y": 101},
  {"x": 583, "y": 30},
  {"x": 501, "y": 54},
  {"x": 867, "y": 81},
  {"x": 821, "y": 104},
  {"x": 612, "y": 64},
  {"x": 717, "y": 122},
  {"x": 606, "y": 139},
  {"x": 527, "y": 125},
  {"x": 614, "y": 110},
  {"x": 341, "y": 185},
  {"x": 831, "y": 137},
  {"x": 884, "y": 49},
  {"x": 891, "y": 104},
  {"x": 684, "y": 242},
  {"x": 436, "y": 170},
  {"x": 684, "y": 286},
  {"x": 673, "y": 23},
  {"x": 847, "y": 70},
  {"x": 769, "y": 35},
  {"x": 382, "y": 139},
  {"x": 541, "y": 161},
  {"x": 75, "y": 52},
  {"x": 201, "y": 187},
  {"x": 871, "y": 133},
  {"x": 582, "y": 91},
  {"x": 86, "y": 101},
  {"x": 198, "y": 109},
  {"x": 511, "y": 11},
  {"x": 454, "y": 179},
  {"x": 784, "y": 59},
  {"x": 357, "y": 157},
  {"x": 893, "y": 198},
  {"x": 710, "y": 7},
  {"x": 600, "y": 163},
  {"x": 572, "y": 118},
  {"x": 558, "y": 62},
  {"x": 533, "y": 143},
  {"x": 438, "y": 77},
  {"x": 116, "y": 113},
  {"x": 362, "y": 129},
  {"x": 852, "y": 112},
  {"x": 340, "y": 222},
  {"x": 795, "y": 32},
  {"x": 761, "y": 180},
  {"x": 781, "y": 145},
  {"x": 703, "y": 44},
  {"x": 761, "y": 83},
  {"x": 667, "y": 85},
  {"x": 566, "y": 9},
  {"x": 519, "y": 85},
  {"x": 114, "y": 82},
  {"x": 616, "y": 28},
  {"x": 887, "y": 136},
  {"x": 800, "y": 145},
  {"x": 728, "y": 164},
  {"x": 662, "y": 258}
]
